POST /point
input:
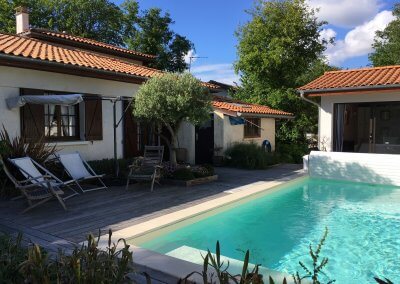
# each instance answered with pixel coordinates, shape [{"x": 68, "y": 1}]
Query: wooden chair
[
  {"x": 37, "y": 188},
  {"x": 148, "y": 167}
]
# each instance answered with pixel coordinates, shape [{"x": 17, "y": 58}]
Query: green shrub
[
  {"x": 12, "y": 254},
  {"x": 86, "y": 264},
  {"x": 248, "y": 156},
  {"x": 106, "y": 166},
  {"x": 292, "y": 153},
  {"x": 203, "y": 171},
  {"x": 19, "y": 147},
  {"x": 183, "y": 174}
]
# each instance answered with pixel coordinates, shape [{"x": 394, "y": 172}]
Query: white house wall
[
  {"x": 12, "y": 79},
  {"x": 226, "y": 134},
  {"x": 326, "y": 111},
  {"x": 186, "y": 139}
]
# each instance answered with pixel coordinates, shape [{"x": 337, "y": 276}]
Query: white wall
[
  {"x": 226, "y": 134},
  {"x": 12, "y": 79},
  {"x": 187, "y": 139},
  {"x": 326, "y": 111}
]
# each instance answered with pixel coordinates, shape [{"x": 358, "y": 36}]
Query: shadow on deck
[{"x": 117, "y": 208}]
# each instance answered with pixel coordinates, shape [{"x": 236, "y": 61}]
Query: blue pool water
[{"x": 363, "y": 222}]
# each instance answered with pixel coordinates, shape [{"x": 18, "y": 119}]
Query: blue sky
[{"x": 211, "y": 25}]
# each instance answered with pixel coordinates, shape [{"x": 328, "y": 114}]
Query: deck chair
[
  {"x": 147, "y": 168},
  {"x": 80, "y": 171},
  {"x": 40, "y": 185}
]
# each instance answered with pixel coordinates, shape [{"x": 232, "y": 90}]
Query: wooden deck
[{"x": 117, "y": 208}]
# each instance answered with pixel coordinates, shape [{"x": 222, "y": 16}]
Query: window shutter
[
  {"x": 93, "y": 118},
  {"x": 32, "y": 117}
]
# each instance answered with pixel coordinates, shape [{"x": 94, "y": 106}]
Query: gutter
[
  {"x": 249, "y": 114},
  {"x": 39, "y": 62},
  {"x": 361, "y": 88},
  {"x": 307, "y": 100}
]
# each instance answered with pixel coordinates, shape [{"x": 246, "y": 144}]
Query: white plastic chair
[{"x": 79, "y": 170}]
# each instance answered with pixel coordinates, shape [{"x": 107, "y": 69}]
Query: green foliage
[
  {"x": 279, "y": 44},
  {"x": 387, "y": 42},
  {"x": 221, "y": 273},
  {"x": 106, "y": 166},
  {"x": 154, "y": 36},
  {"x": 317, "y": 267},
  {"x": 102, "y": 20},
  {"x": 203, "y": 171},
  {"x": 11, "y": 255},
  {"x": 86, "y": 264},
  {"x": 171, "y": 99},
  {"x": 18, "y": 146},
  {"x": 280, "y": 50},
  {"x": 183, "y": 174},
  {"x": 248, "y": 156},
  {"x": 292, "y": 153}
]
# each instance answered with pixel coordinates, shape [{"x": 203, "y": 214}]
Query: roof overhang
[
  {"x": 43, "y": 65},
  {"x": 349, "y": 90},
  {"x": 246, "y": 114}
]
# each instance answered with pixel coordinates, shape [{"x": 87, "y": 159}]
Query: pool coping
[{"x": 168, "y": 269}]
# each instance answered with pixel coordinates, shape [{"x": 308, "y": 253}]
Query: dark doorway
[{"x": 205, "y": 142}]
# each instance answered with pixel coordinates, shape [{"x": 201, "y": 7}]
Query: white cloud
[
  {"x": 346, "y": 13},
  {"x": 190, "y": 54},
  {"x": 358, "y": 41},
  {"x": 222, "y": 72},
  {"x": 327, "y": 34}
]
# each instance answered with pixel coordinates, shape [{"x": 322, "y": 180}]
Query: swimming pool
[{"x": 277, "y": 227}]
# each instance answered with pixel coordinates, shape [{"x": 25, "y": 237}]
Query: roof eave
[
  {"x": 347, "y": 89},
  {"x": 44, "y": 65}
]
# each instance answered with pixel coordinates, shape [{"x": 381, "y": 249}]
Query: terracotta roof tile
[
  {"x": 32, "y": 48},
  {"x": 15, "y": 45},
  {"x": 91, "y": 42},
  {"x": 227, "y": 104},
  {"x": 355, "y": 78}
]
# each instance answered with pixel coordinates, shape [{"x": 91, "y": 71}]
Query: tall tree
[
  {"x": 279, "y": 50},
  {"x": 387, "y": 43},
  {"x": 149, "y": 32},
  {"x": 154, "y": 36}
]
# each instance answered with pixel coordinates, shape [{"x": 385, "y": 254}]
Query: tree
[
  {"x": 154, "y": 36},
  {"x": 387, "y": 42},
  {"x": 149, "y": 32},
  {"x": 171, "y": 99},
  {"x": 279, "y": 50},
  {"x": 101, "y": 20}
]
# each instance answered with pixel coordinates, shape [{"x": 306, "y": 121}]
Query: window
[
  {"x": 252, "y": 127},
  {"x": 61, "y": 122}
]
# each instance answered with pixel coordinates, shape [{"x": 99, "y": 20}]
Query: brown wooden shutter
[
  {"x": 32, "y": 117},
  {"x": 93, "y": 118}
]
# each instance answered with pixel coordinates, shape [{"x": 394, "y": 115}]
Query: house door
[
  {"x": 367, "y": 128},
  {"x": 131, "y": 134},
  {"x": 205, "y": 142}
]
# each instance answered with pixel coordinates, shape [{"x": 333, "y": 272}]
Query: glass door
[{"x": 367, "y": 128}]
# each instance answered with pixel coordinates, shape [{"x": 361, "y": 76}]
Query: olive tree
[{"x": 171, "y": 99}]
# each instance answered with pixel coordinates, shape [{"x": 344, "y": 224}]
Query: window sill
[
  {"x": 68, "y": 143},
  {"x": 250, "y": 138}
]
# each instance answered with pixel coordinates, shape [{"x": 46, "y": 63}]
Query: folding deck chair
[
  {"x": 149, "y": 167},
  {"x": 79, "y": 170},
  {"x": 40, "y": 184}
]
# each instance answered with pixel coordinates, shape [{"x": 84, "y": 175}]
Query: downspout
[{"x": 307, "y": 100}]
